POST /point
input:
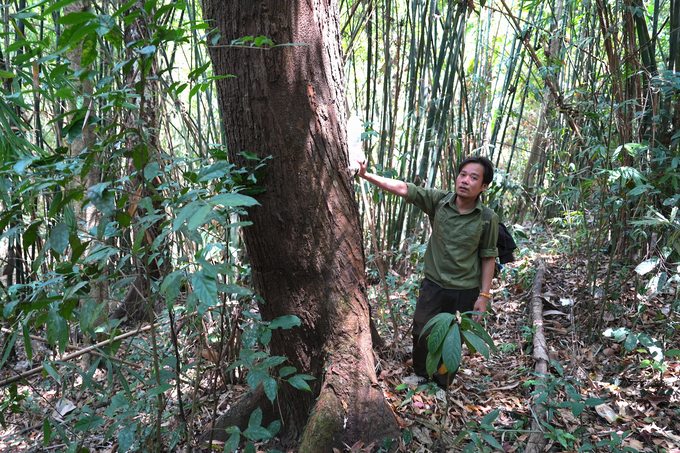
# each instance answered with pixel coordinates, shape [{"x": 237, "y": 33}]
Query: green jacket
[{"x": 452, "y": 258}]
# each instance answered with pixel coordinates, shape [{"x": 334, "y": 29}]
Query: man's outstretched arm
[{"x": 393, "y": 186}]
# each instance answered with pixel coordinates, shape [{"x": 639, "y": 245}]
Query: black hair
[{"x": 484, "y": 162}]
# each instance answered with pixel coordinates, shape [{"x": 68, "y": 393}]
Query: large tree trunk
[{"x": 305, "y": 245}]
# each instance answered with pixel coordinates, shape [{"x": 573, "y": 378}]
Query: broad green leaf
[
  {"x": 172, "y": 284},
  {"x": 232, "y": 199},
  {"x": 31, "y": 233},
  {"x": 273, "y": 361},
  {"x": 47, "y": 431},
  {"x": 452, "y": 349},
  {"x": 27, "y": 342},
  {"x": 631, "y": 342},
  {"x": 147, "y": 50},
  {"x": 257, "y": 433},
  {"x": 475, "y": 343},
  {"x": 266, "y": 337},
  {"x": 255, "y": 418},
  {"x": 6, "y": 74},
  {"x": 89, "y": 47},
  {"x": 217, "y": 170},
  {"x": 647, "y": 266},
  {"x": 52, "y": 372},
  {"x": 673, "y": 353},
  {"x": 298, "y": 381},
  {"x": 558, "y": 366},
  {"x": 87, "y": 423},
  {"x": 232, "y": 443},
  {"x": 185, "y": 213},
  {"x": 21, "y": 165},
  {"x": 274, "y": 428},
  {"x": 88, "y": 314},
  {"x": 270, "y": 388},
  {"x": 577, "y": 408},
  {"x": 287, "y": 371},
  {"x": 593, "y": 401},
  {"x": 126, "y": 438},
  {"x": 75, "y": 18},
  {"x": 102, "y": 198},
  {"x": 432, "y": 361},
  {"x": 445, "y": 318},
  {"x": 437, "y": 335},
  {"x": 285, "y": 322},
  {"x": 483, "y": 334},
  {"x": 53, "y": 326},
  {"x": 618, "y": 334},
  {"x": 199, "y": 217},
  {"x": 492, "y": 441},
  {"x": 158, "y": 390},
  {"x": 255, "y": 376},
  {"x": 205, "y": 288},
  {"x": 117, "y": 402},
  {"x": 652, "y": 345},
  {"x": 491, "y": 417},
  {"x": 59, "y": 238}
]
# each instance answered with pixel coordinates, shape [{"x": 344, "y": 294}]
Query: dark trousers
[{"x": 433, "y": 300}]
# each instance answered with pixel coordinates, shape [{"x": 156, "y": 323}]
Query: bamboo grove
[
  {"x": 116, "y": 188},
  {"x": 576, "y": 103}
]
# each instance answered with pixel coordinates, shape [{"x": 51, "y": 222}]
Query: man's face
[{"x": 469, "y": 181}]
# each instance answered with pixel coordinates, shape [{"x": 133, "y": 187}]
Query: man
[{"x": 460, "y": 255}]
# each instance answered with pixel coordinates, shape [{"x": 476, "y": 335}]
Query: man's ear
[{"x": 484, "y": 187}]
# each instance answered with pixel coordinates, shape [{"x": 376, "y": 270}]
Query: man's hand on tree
[{"x": 363, "y": 165}]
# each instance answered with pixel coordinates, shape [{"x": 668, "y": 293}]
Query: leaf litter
[
  {"x": 490, "y": 403},
  {"x": 604, "y": 396}
]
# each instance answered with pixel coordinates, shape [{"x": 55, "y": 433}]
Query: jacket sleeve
[
  {"x": 487, "y": 246},
  {"x": 425, "y": 199}
]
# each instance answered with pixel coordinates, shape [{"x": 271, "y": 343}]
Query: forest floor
[
  {"x": 598, "y": 396},
  {"x": 608, "y": 394}
]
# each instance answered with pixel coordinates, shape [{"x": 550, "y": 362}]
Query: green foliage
[
  {"x": 444, "y": 342},
  {"x": 481, "y": 439},
  {"x": 135, "y": 178}
]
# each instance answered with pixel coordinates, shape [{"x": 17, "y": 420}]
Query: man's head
[
  {"x": 484, "y": 162},
  {"x": 474, "y": 176}
]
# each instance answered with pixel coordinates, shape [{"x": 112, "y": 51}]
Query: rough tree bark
[{"x": 305, "y": 245}]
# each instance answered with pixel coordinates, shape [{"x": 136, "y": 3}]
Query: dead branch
[
  {"x": 74, "y": 355},
  {"x": 537, "y": 440}
]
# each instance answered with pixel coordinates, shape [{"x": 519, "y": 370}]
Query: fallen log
[{"x": 537, "y": 440}]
